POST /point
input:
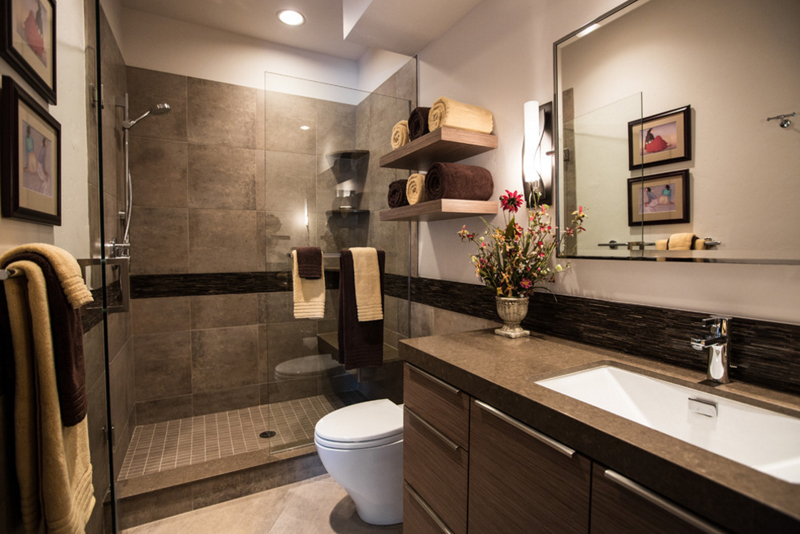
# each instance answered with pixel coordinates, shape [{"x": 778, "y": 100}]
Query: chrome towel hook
[{"x": 785, "y": 122}]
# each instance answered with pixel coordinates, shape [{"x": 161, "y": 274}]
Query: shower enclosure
[{"x": 212, "y": 383}]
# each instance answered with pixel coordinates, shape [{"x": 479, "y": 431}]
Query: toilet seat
[
  {"x": 308, "y": 366},
  {"x": 361, "y": 426}
]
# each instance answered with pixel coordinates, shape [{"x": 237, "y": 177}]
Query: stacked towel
[
  {"x": 397, "y": 194},
  {"x": 53, "y": 464},
  {"x": 681, "y": 242},
  {"x": 369, "y": 297},
  {"x": 454, "y": 180},
  {"x": 418, "y": 123},
  {"x": 415, "y": 189},
  {"x": 360, "y": 343},
  {"x": 308, "y": 295},
  {"x": 447, "y": 112},
  {"x": 400, "y": 135},
  {"x": 309, "y": 262}
]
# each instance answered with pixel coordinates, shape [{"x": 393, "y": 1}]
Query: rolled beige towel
[
  {"x": 400, "y": 135},
  {"x": 447, "y": 112},
  {"x": 415, "y": 189}
]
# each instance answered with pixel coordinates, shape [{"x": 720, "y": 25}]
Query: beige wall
[{"x": 499, "y": 56}]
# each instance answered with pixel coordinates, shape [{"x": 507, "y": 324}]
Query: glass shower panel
[
  {"x": 324, "y": 188},
  {"x": 597, "y": 177}
]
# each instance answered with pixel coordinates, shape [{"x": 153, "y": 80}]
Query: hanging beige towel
[
  {"x": 368, "y": 284},
  {"x": 415, "y": 189},
  {"x": 447, "y": 112},
  {"x": 685, "y": 242},
  {"x": 308, "y": 294},
  {"x": 661, "y": 244},
  {"x": 54, "y": 468},
  {"x": 400, "y": 135},
  {"x": 66, "y": 267}
]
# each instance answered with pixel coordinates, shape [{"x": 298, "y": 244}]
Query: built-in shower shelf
[
  {"x": 442, "y": 145},
  {"x": 348, "y": 154},
  {"x": 439, "y": 210},
  {"x": 344, "y": 212}
]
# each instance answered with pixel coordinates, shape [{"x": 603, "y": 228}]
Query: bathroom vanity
[{"x": 487, "y": 449}]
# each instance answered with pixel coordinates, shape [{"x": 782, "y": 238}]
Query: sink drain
[{"x": 268, "y": 434}]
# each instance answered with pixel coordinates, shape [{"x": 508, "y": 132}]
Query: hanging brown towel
[
  {"x": 309, "y": 263},
  {"x": 360, "y": 343},
  {"x": 418, "y": 123},
  {"x": 397, "y": 194},
  {"x": 454, "y": 180},
  {"x": 67, "y": 344}
]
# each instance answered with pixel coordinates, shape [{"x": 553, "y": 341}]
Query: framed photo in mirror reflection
[
  {"x": 660, "y": 139},
  {"x": 659, "y": 199}
]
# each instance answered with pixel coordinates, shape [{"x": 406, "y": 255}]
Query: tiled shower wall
[{"x": 219, "y": 188}]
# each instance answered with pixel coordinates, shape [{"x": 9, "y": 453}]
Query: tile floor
[
  {"x": 181, "y": 442},
  {"x": 316, "y": 505}
]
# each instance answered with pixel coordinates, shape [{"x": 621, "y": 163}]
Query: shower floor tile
[{"x": 193, "y": 440}]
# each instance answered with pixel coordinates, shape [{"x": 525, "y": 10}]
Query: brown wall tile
[
  {"x": 290, "y": 182},
  {"x": 221, "y": 177},
  {"x": 148, "y": 88},
  {"x": 219, "y": 311},
  {"x": 159, "y": 241},
  {"x": 284, "y": 115},
  {"x": 221, "y": 113},
  {"x": 336, "y": 127},
  {"x": 166, "y": 409},
  {"x": 163, "y": 365},
  {"x": 222, "y": 241},
  {"x": 224, "y": 358},
  {"x": 225, "y": 399},
  {"x": 159, "y": 172},
  {"x": 153, "y": 316}
]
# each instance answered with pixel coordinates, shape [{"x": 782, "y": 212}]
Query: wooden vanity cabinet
[
  {"x": 435, "y": 454},
  {"x": 523, "y": 481},
  {"x": 621, "y": 506}
]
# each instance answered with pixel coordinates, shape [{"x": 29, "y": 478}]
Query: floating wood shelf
[
  {"x": 439, "y": 210},
  {"x": 442, "y": 145}
]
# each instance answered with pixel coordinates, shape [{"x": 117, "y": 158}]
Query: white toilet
[{"x": 361, "y": 446}]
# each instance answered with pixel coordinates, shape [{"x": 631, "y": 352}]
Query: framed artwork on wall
[
  {"x": 660, "y": 139},
  {"x": 28, "y": 42},
  {"x": 30, "y": 158},
  {"x": 659, "y": 199}
]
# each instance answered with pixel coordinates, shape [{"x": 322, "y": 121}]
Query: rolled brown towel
[
  {"x": 309, "y": 262},
  {"x": 418, "y": 123},
  {"x": 457, "y": 181},
  {"x": 397, "y": 194}
]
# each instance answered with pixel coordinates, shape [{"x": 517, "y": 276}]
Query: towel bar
[{"x": 324, "y": 254}]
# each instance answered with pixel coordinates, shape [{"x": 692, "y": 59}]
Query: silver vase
[{"x": 512, "y": 310}]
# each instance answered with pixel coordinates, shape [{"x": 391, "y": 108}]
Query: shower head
[{"x": 158, "y": 109}]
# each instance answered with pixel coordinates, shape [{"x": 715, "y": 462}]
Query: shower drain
[{"x": 268, "y": 434}]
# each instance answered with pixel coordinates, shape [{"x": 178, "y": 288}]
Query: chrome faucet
[{"x": 718, "y": 345}]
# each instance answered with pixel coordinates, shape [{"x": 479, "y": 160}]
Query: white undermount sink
[{"x": 756, "y": 437}]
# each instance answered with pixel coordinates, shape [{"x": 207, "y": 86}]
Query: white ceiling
[
  {"x": 321, "y": 33},
  {"x": 402, "y": 26}
]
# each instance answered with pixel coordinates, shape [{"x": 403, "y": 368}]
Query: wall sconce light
[{"x": 537, "y": 151}]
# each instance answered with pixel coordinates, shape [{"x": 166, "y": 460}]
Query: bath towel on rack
[
  {"x": 309, "y": 262},
  {"x": 53, "y": 464},
  {"x": 360, "y": 342},
  {"x": 308, "y": 295}
]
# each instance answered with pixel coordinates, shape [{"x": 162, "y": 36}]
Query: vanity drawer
[
  {"x": 436, "y": 467},
  {"x": 440, "y": 404},
  {"x": 418, "y": 516}
]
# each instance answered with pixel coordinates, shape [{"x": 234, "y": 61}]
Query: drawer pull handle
[
  {"x": 661, "y": 502},
  {"x": 560, "y": 447},
  {"x": 432, "y": 378},
  {"x": 427, "y": 508},
  {"x": 449, "y": 442}
]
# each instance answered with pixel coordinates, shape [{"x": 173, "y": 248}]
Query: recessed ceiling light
[
  {"x": 291, "y": 17},
  {"x": 305, "y": 127}
]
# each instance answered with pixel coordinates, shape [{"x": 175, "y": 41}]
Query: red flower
[{"x": 511, "y": 201}]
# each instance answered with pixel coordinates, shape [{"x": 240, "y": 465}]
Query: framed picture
[
  {"x": 659, "y": 199},
  {"x": 30, "y": 158},
  {"x": 28, "y": 42},
  {"x": 660, "y": 139}
]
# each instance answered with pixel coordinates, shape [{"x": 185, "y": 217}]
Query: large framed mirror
[{"x": 662, "y": 132}]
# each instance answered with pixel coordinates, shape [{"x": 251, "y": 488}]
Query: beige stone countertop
[{"x": 503, "y": 372}]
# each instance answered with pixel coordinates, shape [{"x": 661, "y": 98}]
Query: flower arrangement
[{"x": 515, "y": 260}]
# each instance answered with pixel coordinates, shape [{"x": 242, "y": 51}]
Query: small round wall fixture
[{"x": 291, "y": 17}]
